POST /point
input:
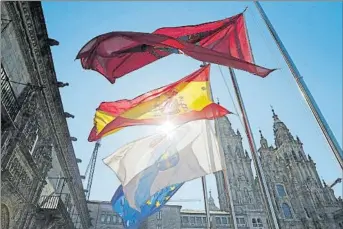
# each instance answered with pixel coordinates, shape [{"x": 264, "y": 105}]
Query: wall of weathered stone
[
  {"x": 103, "y": 216},
  {"x": 35, "y": 142}
]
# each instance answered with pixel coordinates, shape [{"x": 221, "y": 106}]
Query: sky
[{"x": 311, "y": 32}]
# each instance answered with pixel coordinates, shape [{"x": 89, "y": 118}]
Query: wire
[
  {"x": 232, "y": 100},
  {"x": 264, "y": 38}
]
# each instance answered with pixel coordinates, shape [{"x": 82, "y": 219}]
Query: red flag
[
  {"x": 228, "y": 36},
  {"x": 118, "y": 53}
]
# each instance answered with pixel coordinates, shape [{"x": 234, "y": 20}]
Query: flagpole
[
  {"x": 256, "y": 159},
  {"x": 330, "y": 137},
  {"x": 227, "y": 183},
  {"x": 226, "y": 178},
  {"x": 207, "y": 210}
]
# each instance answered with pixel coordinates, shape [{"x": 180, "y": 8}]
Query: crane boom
[{"x": 90, "y": 168}]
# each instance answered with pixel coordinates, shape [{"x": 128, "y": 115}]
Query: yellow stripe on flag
[{"x": 189, "y": 96}]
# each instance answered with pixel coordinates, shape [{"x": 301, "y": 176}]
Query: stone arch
[{"x": 5, "y": 217}]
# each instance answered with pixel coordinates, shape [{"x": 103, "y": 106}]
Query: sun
[{"x": 166, "y": 127}]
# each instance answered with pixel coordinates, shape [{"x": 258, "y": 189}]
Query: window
[
  {"x": 218, "y": 221},
  {"x": 240, "y": 221},
  {"x": 204, "y": 219},
  {"x": 287, "y": 211},
  {"x": 192, "y": 220},
  {"x": 259, "y": 222},
  {"x": 254, "y": 222},
  {"x": 34, "y": 143},
  {"x": 103, "y": 218},
  {"x": 224, "y": 220},
  {"x": 58, "y": 181},
  {"x": 159, "y": 227},
  {"x": 281, "y": 190},
  {"x": 185, "y": 220},
  {"x": 308, "y": 215},
  {"x": 159, "y": 215},
  {"x": 114, "y": 219},
  {"x": 246, "y": 195},
  {"x": 108, "y": 219},
  {"x": 119, "y": 220},
  {"x": 199, "y": 221}
]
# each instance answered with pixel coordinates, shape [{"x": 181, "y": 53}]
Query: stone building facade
[
  {"x": 246, "y": 198},
  {"x": 41, "y": 186},
  {"x": 102, "y": 215},
  {"x": 169, "y": 217},
  {"x": 300, "y": 199}
]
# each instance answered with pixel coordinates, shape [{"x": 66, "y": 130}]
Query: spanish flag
[{"x": 185, "y": 100}]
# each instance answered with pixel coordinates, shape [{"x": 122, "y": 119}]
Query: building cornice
[{"x": 42, "y": 73}]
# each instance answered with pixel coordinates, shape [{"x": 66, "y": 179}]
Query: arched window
[
  {"x": 259, "y": 222},
  {"x": 280, "y": 190},
  {"x": 5, "y": 217},
  {"x": 287, "y": 211},
  {"x": 254, "y": 222},
  {"x": 246, "y": 195},
  {"x": 308, "y": 215}
]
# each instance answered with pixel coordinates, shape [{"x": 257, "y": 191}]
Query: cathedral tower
[
  {"x": 299, "y": 198},
  {"x": 245, "y": 196}
]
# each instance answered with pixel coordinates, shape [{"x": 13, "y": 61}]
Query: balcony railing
[
  {"x": 8, "y": 97},
  {"x": 55, "y": 205}
]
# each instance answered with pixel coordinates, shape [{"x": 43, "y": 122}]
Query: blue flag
[{"x": 131, "y": 217}]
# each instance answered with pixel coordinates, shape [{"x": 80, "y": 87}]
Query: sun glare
[{"x": 166, "y": 127}]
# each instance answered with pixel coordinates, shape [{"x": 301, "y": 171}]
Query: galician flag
[{"x": 150, "y": 164}]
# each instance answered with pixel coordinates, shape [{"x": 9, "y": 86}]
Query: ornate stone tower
[
  {"x": 299, "y": 198},
  {"x": 246, "y": 199},
  {"x": 212, "y": 206}
]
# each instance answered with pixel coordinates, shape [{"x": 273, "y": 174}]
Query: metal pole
[
  {"x": 207, "y": 210},
  {"x": 226, "y": 178},
  {"x": 203, "y": 179},
  {"x": 227, "y": 182},
  {"x": 256, "y": 159},
  {"x": 333, "y": 143}
]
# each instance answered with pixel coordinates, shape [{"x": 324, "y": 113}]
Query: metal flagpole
[
  {"x": 203, "y": 180},
  {"x": 256, "y": 159},
  {"x": 207, "y": 210},
  {"x": 335, "y": 147},
  {"x": 226, "y": 182},
  {"x": 226, "y": 179}
]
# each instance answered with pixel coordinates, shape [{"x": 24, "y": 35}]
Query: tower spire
[
  {"x": 281, "y": 132},
  {"x": 212, "y": 205},
  {"x": 275, "y": 117},
  {"x": 263, "y": 141}
]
